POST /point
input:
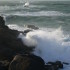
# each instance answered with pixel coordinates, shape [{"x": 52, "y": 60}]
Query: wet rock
[
  {"x": 2, "y": 23},
  {"x": 26, "y": 31},
  {"x": 4, "y": 65},
  {"x": 31, "y": 27},
  {"x": 10, "y": 44},
  {"x": 54, "y": 65},
  {"x": 59, "y": 64},
  {"x": 26, "y": 62},
  {"x": 66, "y": 63}
]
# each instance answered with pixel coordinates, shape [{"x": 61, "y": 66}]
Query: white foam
[
  {"x": 39, "y": 13},
  {"x": 28, "y": 40},
  {"x": 16, "y": 27},
  {"x": 49, "y": 45}
]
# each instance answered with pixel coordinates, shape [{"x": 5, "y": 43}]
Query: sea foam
[{"x": 51, "y": 45}]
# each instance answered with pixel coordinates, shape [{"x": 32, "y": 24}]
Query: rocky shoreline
[{"x": 14, "y": 55}]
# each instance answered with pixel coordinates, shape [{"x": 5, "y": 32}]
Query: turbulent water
[{"x": 52, "y": 40}]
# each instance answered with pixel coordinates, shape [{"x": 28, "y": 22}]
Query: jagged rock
[
  {"x": 10, "y": 44},
  {"x": 26, "y": 62},
  {"x": 31, "y": 26},
  {"x": 2, "y": 23},
  {"x": 60, "y": 65},
  {"x": 66, "y": 63},
  {"x": 54, "y": 65},
  {"x": 4, "y": 65},
  {"x": 26, "y": 31}
]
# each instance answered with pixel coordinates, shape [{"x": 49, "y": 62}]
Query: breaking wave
[{"x": 49, "y": 44}]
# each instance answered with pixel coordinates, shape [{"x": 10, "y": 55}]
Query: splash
[{"x": 50, "y": 45}]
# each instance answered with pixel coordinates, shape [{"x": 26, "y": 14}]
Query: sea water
[{"x": 52, "y": 40}]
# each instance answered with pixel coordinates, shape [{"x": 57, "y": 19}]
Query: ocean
[{"x": 52, "y": 40}]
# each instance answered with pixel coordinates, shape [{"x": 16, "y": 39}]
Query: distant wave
[{"x": 39, "y": 13}]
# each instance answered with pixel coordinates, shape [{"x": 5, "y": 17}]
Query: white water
[
  {"x": 51, "y": 45},
  {"x": 40, "y": 13}
]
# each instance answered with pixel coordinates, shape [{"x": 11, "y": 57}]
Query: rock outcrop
[
  {"x": 27, "y": 62},
  {"x": 31, "y": 27},
  {"x": 10, "y": 44}
]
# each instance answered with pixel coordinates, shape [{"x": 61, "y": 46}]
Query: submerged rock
[
  {"x": 54, "y": 65},
  {"x": 26, "y": 31},
  {"x": 26, "y": 62},
  {"x": 31, "y": 27}
]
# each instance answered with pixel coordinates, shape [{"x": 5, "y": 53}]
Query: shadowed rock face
[
  {"x": 10, "y": 45},
  {"x": 26, "y": 62},
  {"x": 4, "y": 65},
  {"x": 2, "y": 22}
]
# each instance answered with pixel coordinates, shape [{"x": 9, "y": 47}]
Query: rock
[
  {"x": 60, "y": 65},
  {"x": 51, "y": 67},
  {"x": 54, "y": 65},
  {"x": 48, "y": 67},
  {"x": 26, "y": 31},
  {"x": 10, "y": 44},
  {"x": 2, "y": 22},
  {"x": 4, "y": 65},
  {"x": 31, "y": 26},
  {"x": 26, "y": 62},
  {"x": 66, "y": 63}
]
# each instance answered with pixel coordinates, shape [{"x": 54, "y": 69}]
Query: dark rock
[
  {"x": 48, "y": 67},
  {"x": 26, "y": 31},
  {"x": 66, "y": 63},
  {"x": 31, "y": 26},
  {"x": 10, "y": 44},
  {"x": 53, "y": 65},
  {"x": 60, "y": 65},
  {"x": 2, "y": 22},
  {"x": 26, "y": 62},
  {"x": 4, "y": 65}
]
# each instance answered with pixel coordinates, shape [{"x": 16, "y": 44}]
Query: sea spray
[
  {"x": 48, "y": 45},
  {"x": 28, "y": 40}
]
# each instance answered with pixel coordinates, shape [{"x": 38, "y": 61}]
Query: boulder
[
  {"x": 4, "y": 65},
  {"x": 27, "y": 62},
  {"x": 54, "y": 65}
]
